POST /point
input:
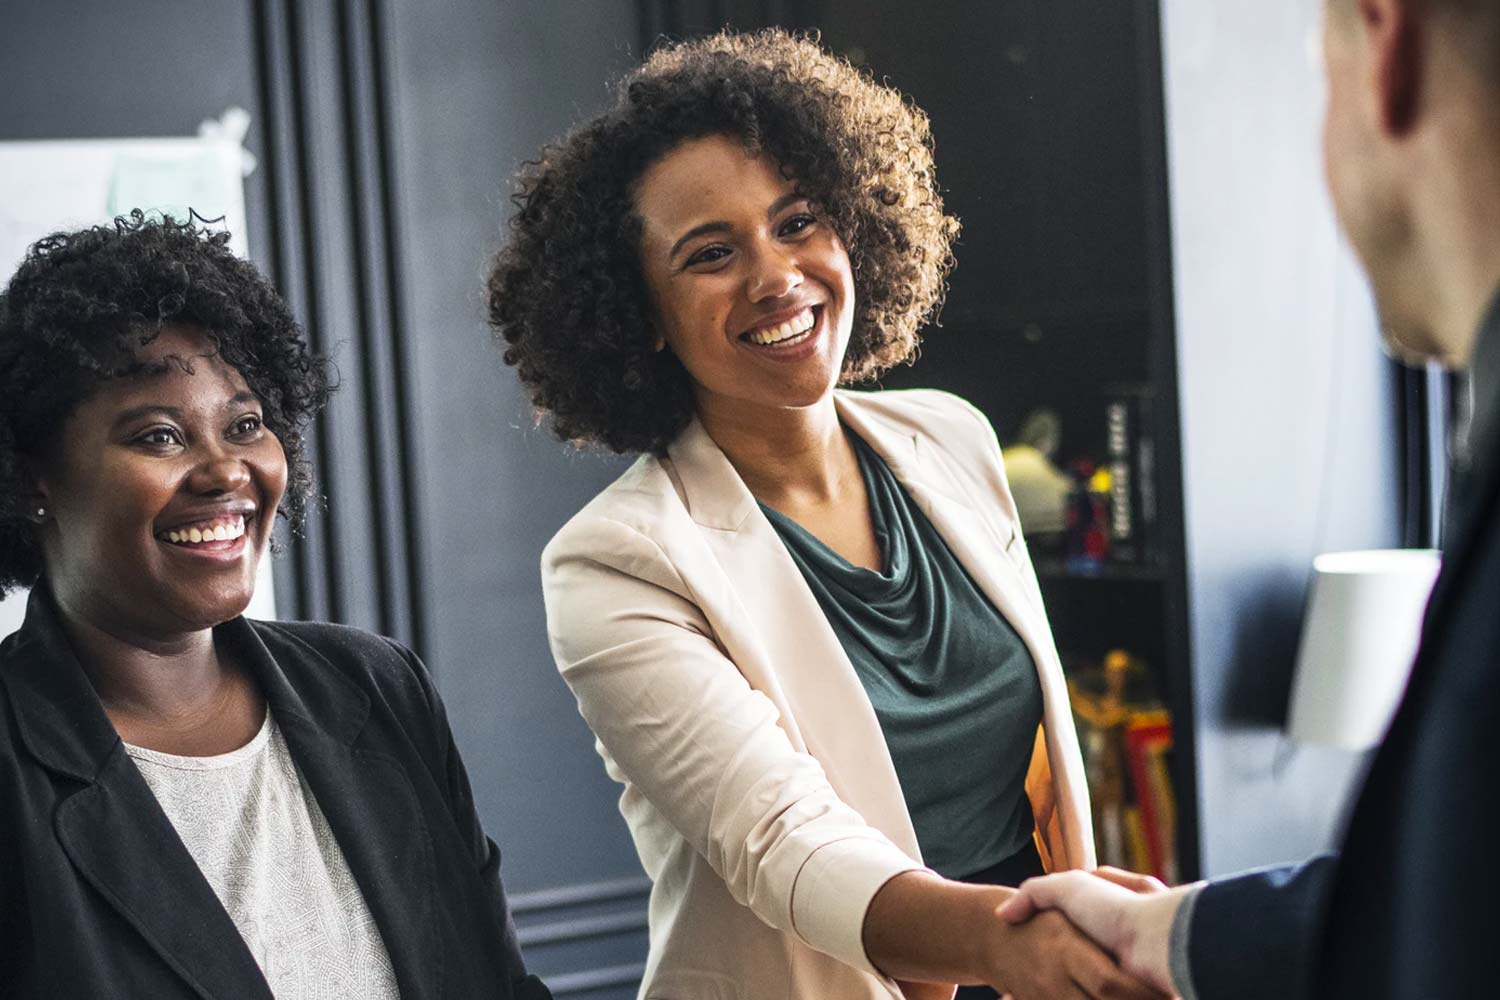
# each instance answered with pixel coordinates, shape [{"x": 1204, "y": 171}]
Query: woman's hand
[{"x": 921, "y": 927}]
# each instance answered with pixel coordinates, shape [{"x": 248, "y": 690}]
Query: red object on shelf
[{"x": 1141, "y": 741}]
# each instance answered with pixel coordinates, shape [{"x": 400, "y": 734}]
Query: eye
[
  {"x": 709, "y": 255},
  {"x": 159, "y": 438},
  {"x": 246, "y": 426},
  {"x": 797, "y": 224}
]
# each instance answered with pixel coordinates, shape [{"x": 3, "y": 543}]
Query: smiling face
[
  {"x": 161, "y": 493},
  {"x": 752, "y": 291}
]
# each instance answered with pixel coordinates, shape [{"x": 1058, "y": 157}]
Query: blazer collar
[
  {"x": 716, "y": 496},
  {"x": 58, "y": 714},
  {"x": 62, "y": 721},
  {"x": 1474, "y": 473}
]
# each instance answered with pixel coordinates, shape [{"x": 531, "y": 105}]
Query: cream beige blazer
[{"x": 757, "y": 784}]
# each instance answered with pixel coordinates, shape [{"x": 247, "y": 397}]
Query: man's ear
[{"x": 1393, "y": 34}]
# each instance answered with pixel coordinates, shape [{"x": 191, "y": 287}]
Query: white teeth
[
  {"x": 798, "y": 324},
  {"x": 221, "y": 532}
]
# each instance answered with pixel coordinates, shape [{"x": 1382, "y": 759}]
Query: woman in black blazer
[{"x": 193, "y": 804}]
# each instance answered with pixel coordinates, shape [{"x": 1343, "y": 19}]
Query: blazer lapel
[
  {"x": 985, "y": 551},
  {"x": 116, "y": 835},
  {"x": 981, "y": 551},
  {"x": 112, "y": 829},
  {"x": 364, "y": 794},
  {"x": 776, "y": 633}
]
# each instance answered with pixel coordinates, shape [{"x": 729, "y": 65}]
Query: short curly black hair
[
  {"x": 80, "y": 306},
  {"x": 567, "y": 294}
]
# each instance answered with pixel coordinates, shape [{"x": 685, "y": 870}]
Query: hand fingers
[
  {"x": 1125, "y": 989},
  {"x": 1019, "y": 908},
  {"x": 1133, "y": 881},
  {"x": 1098, "y": 977}
]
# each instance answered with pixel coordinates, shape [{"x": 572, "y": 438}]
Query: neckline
[
  {"x": 868, "y": 459},
  {"x": 213, "y": 762}
]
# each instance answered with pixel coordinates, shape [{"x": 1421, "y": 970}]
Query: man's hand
[{"x": 1128, "y": 915}]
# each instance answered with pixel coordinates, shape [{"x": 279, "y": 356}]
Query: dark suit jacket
[
  {"x": 99, "y": 897},
  {"x": 1411, "y": 906}
]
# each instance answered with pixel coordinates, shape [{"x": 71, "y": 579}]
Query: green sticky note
[{"x": 172, "y": 184}]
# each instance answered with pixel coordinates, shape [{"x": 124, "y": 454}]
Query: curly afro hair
[
  {"x": 80, "y": 306},
  {"x": 567, "y": 295}
]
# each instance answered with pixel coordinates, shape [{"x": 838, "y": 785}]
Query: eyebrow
[
  {"x": 136, "y": 412},
  {"x": 777, "y": 206}
]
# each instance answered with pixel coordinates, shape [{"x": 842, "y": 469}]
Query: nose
[
  {"x": 774, "y": 275},
  {"x": 217, "y": 474}
]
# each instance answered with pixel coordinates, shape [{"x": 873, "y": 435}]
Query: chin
[
  {"x": 204, "y": 611},
  {"x": 1404, "y": 332},
  {"x": 1412, "y": 345}
]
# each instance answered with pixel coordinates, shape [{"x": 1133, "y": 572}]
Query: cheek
[
  {"x": 837, "y": 264},
  {"x": 271, "y": 470},
  {"x": 692, "y": 320}
]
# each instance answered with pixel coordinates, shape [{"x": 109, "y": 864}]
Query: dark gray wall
[{"x": 1288, "y": 416}]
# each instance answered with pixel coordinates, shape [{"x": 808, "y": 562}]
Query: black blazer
[
  {"x": 1410, "y": 907},
  {"x": 99, "y": 897}
]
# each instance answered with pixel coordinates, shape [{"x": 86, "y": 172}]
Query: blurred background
[{"x": 1152, "y": 305}]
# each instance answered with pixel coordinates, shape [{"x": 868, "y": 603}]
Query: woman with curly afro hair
[
  {"x": 803, "y": 626},
  {"x": 192, "y": 803}
]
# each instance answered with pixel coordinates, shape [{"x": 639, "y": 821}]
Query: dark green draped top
[{"x": 954, "y": 687}]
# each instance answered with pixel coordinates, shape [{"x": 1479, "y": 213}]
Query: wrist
[
  {"x": 1147, "y": 954},
  {"x": 990, "y": 960},
  {"x": 922, "y": 927}
]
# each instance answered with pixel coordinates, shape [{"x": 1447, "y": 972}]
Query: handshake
[{"x": 1128, "y": 916}]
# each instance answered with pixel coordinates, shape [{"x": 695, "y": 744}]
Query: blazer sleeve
[
  {"x": 485, "y": 852},
  {"x": 680, "y": 724},
  {"x": 1257, "y": 934}
]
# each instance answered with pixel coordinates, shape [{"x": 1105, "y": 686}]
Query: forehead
[
  {"x": 702, "y": 180},
  {"x": 180, "y": 362}
]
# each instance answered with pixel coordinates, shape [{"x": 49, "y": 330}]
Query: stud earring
[{"x": 39, "y": 514}]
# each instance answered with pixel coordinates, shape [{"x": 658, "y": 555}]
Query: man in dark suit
[{"x": 1410, "y": 907}]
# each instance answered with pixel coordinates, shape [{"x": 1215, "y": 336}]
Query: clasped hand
[{"x": 1127, "y": 915}]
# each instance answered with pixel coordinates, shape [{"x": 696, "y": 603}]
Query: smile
[
  {"x": 228, "y": 528},
  {"x": 787, "y": 332}
]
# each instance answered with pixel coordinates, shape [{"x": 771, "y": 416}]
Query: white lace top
[{"x": 257, "y": 834}]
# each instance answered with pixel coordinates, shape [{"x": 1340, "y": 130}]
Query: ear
[
  {"x": 35, "y": 500},
  {"x": 1393, "y": 35}
]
